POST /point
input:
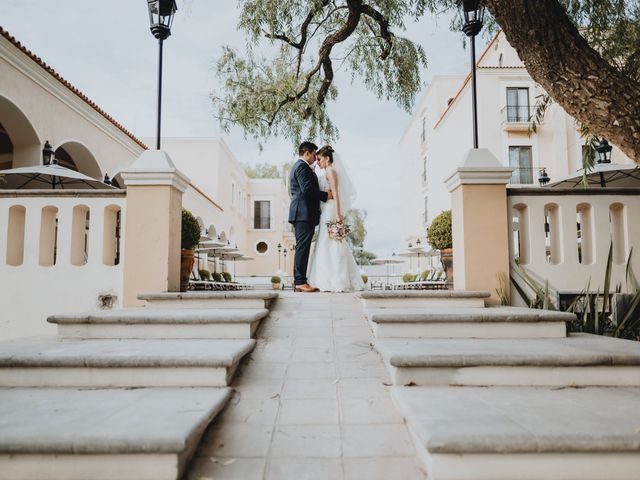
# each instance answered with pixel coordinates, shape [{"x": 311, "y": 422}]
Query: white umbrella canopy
[
  {"x": 392, "y": 260},
  {"x": 603, "y": 175},
  {"x": 48, "y": 177}
]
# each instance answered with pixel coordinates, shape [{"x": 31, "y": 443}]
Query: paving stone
[
  {"x": 377, "y": 468},
  {"x": 311, "y": 370},
  {"x": 304, "y": 469},
  {"x": 376, "y": 441},
  {"x": 221, "y": 468},
  {"x": 313, "y": 355},
  {"x": 250, "y": 411},
  {"x": 369, "y": 411},
  {"x": 308, "y": 412},
  {"x": 319, "y": 388},
  {"x": 306, "y": 441},
  {"x": 237, "y": 440}
]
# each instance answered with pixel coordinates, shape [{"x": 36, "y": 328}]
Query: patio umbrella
[
  {"x": 415, "y": 252},
  {"x": 235, "y": 257},
  {"x": 603, "y": 175},
  {"x": 392, "y": 260},
  {"x": 48, "y": 176}
]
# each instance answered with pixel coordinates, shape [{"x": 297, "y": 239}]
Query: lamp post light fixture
[
  {"x": 543, "y": 179},
  {"x": 285, "y": 259},
  {"x": 107, "y": 180},
  {"x": 48, "y": 154},
  {"x": 473, "y": 20},
  {"x": 161, "y": 14},
  {"x": 418, "y": 242},
  {"x": 279, "y": 247},
  {"x": 604, "y": 151}
]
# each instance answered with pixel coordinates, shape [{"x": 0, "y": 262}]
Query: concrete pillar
[
  {"x": 480, "y": 223},
  {"x": 153, "y": 226}
]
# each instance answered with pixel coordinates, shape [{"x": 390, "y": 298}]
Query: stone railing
[
  {"x": 563, "y": 236},
  {"x": 57, "y": 248}
]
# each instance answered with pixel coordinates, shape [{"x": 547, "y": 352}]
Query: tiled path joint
[{"x": 311, "y": 402}]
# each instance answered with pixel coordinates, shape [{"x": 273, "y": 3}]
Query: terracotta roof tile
[{"x": 64, "y": 82}]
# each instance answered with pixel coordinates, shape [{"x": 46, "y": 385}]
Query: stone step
[
  {"x": 578, "y": 360},
  {"x": 161, "y": 323},
  {"x": 82, "y": 434},
  {"x": 423, "y": 298},
  {"x": 502, "y": 433},
  {"x": 235, "y": 300},
  {"x": 493, "y": 322},
  {"x": 50, "y": 362}
]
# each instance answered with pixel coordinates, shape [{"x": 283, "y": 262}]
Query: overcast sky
[{"x": 106, "y": 50}]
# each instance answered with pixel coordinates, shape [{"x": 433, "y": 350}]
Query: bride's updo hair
[{"x": 326, "y": 151}]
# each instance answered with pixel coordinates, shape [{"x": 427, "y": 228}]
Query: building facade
[
  {"x": 63, "y": 251},
  {"x": 440, "y": 133}
]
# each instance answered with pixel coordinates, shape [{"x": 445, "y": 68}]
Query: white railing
[
  {"x": 563, "y": 236},
  {"x": 61, "y": 251}
]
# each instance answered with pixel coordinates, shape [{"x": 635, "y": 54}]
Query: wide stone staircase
[
  {"x": 125, "y": 393},
  {"x": 503, "y": 393}
]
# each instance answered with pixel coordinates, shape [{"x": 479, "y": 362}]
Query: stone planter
[
  {"x": 276, "y": 286},
  {"x": 446, "y": 257},
  {"x": 186, "y": 265}
]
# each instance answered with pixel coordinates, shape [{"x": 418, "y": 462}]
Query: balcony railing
[
  {"x": 517, "y": 113},
  {"x": 522, "y": 176}
]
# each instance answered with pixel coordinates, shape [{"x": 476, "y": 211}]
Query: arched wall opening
[
  {"x": 75, "y": 156},
  {"x": 20, "y": 145}
]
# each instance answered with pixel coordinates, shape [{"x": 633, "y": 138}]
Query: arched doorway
[
  {"x": 19, "y": 142},
  {"x": 75, "y": 156}
]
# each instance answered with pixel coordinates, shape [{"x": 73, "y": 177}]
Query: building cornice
[{"x": 33, "y": 67}]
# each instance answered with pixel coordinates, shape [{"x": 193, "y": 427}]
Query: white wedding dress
[{"x": 333, "y": 268}]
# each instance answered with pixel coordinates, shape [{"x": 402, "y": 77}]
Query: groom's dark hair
[{"x": 307, "y": 147}]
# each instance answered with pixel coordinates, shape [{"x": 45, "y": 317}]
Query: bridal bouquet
[{"x": 338, "y": 230}]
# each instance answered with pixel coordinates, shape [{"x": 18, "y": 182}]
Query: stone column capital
[
  {"x": 154, "y": 167},
  {"x": 480, "y": 167}
]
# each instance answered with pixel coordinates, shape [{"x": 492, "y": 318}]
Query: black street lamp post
[
  {"x": 473, "y": 13},
  {"x": 285, "y": 259},
  {"x": 279, "y": 247},
  {"x": 161, "y": 14}
]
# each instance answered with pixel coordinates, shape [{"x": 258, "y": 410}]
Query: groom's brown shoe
[{"x": 306, "y": 288}]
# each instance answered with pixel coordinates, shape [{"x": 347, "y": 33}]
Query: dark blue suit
[{"x": 304, "y": 214}]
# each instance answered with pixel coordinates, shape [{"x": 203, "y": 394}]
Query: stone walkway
[{"x": 311, "y": 402}]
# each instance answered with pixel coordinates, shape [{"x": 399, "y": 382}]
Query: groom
[{"x": 304, "y": 211}]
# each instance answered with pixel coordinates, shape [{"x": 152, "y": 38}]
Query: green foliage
[
  {"x": 425, "y": 274},
  {"x": 363, "y": 257},
  {"x": 356, "y": 218},
  {"x": 593, "y": 310},
  {"x": 365, "y": 278},
  {"x": 190, "y": 230},
  {"x": 286, "y": 94},
  {"x": 204, "y": 274},
  {"x": 439, "y": 233},
  {"x": 276, "y": 279},
  {"x": 227, "y": 277},
  {"x": 268, "y": 170},
  {"x": 409, "y": 277},
  {"x": 217, "y": 277}
]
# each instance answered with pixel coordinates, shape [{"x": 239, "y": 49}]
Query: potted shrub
[
  {"x": 408, "y": 277},
  {"x": 440, "y": 237},
  {"x": 227, "y": 277},
  {"x": 276, "y": 282},
  {"x": 204, "y": 274},
  {"x": 365, "y": 279},
  {"x": 217, "y": 277},
  {"x": 190, "y": 238}
]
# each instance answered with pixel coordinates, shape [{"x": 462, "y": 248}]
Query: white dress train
[{"x": 332, "y": 268}]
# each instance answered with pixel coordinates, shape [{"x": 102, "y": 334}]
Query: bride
[{"x": 333, "y": 268}]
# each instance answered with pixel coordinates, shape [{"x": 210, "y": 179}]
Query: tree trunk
[{"x": 574, "y": 74}]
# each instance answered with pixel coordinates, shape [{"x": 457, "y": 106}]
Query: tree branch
[{"x": 385, "y": 33}]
